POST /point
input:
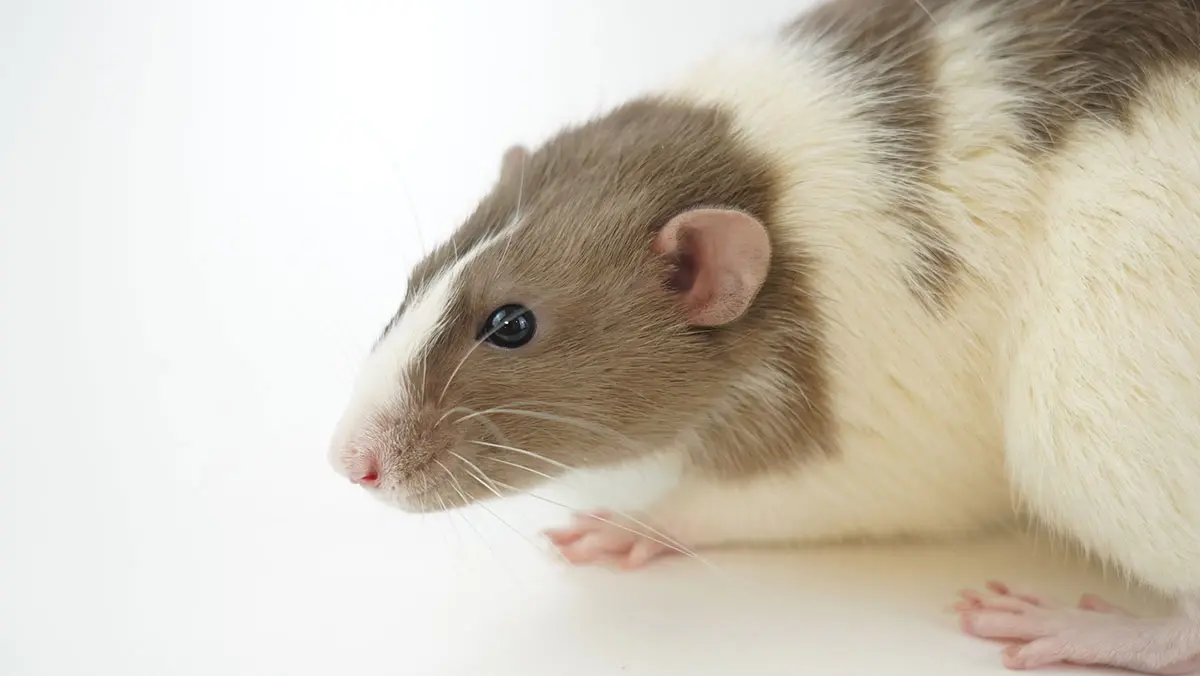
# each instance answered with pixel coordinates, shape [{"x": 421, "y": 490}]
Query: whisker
[
  {"x": 483, "y": 480},
  {"x": 495, "y": 429},
  {"x": 527, "y": 469},
  {"x": 598, "y": 429},
  {"x": 529, "y": 402},
  {"x": 486, "y": 421},
  {"x": 456, "y": 368},
  {"x": 926, "y": 10},
  {"x": 475, "y": 467},
  {"x": 519, "y": 534},
  {"x": 509, "y": 525},
  {"x": 521, "y": 185},
  {"x": 507, "y": 408},
  {"x": 424, "y": 371},
  {"x": 453, "y": 523},
  {"x": 466, "y": 501},
  {"x": 668, "y": 542},
  {"x": 548, "y": 477},
  {"x": 457, "y": 486},
  {"x": 388, "y": 154},
  {"x": 412, "y": 207},
  {"x": 456, "y": 409},
  {"x": 474, "y": 347},
  {"x": 522, "y": 451}
]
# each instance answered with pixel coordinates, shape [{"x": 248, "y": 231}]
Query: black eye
[{"x": 510, "y": 326}]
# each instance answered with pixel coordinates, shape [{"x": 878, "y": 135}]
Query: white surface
[{"x": 205, "y": 211}]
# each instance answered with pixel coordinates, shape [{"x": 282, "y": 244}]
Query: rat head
[{"x": 584, "y": 314}]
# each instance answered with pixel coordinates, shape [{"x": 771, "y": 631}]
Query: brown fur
[{"x": 612, "y": 348}]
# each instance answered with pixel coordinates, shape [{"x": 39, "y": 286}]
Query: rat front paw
[{"x": 596, "y": 537}]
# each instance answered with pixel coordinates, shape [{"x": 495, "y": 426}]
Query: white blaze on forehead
[{"x": 384, "y": 382}]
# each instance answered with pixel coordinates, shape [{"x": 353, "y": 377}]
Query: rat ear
[
  {"x": 720, "y": 260},
  {"x": 513, "y": 162}
]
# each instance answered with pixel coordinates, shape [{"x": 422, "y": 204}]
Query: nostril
[
  {"x": 368, "y": 479},
  {"x": 365, "y": 472}
]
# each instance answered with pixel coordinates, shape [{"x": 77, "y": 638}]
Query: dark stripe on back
[
  {"x": 891, "y": 44},
  {"x": 1088, "y": 59}
]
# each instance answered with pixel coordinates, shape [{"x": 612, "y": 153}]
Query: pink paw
[
  {"x": 1043, "y": 632},
  {"x": 600, "y": 536}
]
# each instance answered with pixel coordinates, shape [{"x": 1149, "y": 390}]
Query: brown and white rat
[{"x": 874, "y": 275}]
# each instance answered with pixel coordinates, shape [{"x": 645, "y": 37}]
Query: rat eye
[{"x": 509, "y": 326}]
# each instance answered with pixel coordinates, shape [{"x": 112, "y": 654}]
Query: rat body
[{"x": 872, "y": 276}]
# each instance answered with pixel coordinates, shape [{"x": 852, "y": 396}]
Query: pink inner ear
[{"x": 721, "y": 258}]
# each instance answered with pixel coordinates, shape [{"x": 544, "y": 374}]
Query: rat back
[{"x": 960, "y": 175}]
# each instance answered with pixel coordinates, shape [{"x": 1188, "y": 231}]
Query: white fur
[
  {"x": 384, "y": 376},
  {"x": 1073, "y": 342}
]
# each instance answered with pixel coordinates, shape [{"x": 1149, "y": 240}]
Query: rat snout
[
  {"x": 361, "y": 468},
  {"x": 370, "y": 478},
  {"x": 399, "y": 457}
]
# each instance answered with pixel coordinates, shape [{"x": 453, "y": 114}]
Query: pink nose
[
  {"x": 368, "y": 479},
  {"x": 365, "y": 475}
]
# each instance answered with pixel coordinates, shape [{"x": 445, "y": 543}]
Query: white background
[{"x": 207, "y": 213}]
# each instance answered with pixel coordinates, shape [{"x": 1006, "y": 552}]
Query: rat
[{"x": 899, "y": 268}]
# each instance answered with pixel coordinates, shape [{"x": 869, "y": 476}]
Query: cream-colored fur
[
  {"x": 1102, "y": 413},
  {"x": 1071, "y": 346}
]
